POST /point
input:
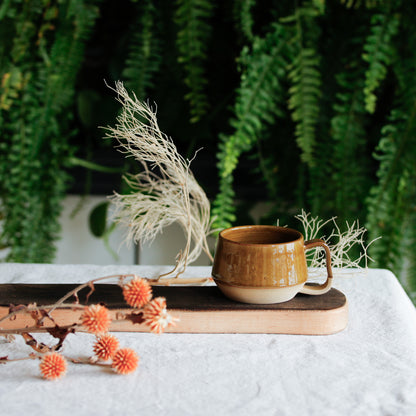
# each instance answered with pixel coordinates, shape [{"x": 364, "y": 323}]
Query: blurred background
[{"x": 294, "y": 104}]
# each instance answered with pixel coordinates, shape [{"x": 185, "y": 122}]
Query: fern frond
[
  {"x": 369, "y": 4},
  {"x": 303, "y": 101},
  {"x": 192, "y": 18},
  {"x": 392, "y": 199},
  {"x": 36, "y": 124},
  {"x": 144, "y": 56},
  {"x": 378, "y": 52},
  {"x": 349, "y": 159},
  {"x": 244, "y": 18},
  {"x": 25, "y": 31},
  {"x": 391, "y": 204},
  {"x": 56, "y": 78},
  {"x": 258, "y": 102},
  {"x": 223, "y": 208},
  {"x": 305, "y": 91}
]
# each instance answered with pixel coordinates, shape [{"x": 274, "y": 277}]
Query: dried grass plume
[
  {"x": 339, "y": 242},
  {"x": 166, "y": 191}
]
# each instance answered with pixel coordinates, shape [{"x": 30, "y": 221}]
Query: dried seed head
[
  {"x": 137, "y": 292},
  {"x": 156, "y": 315},
  {"x": 106, "y": 346},
  {"x": 52, "y": 366},
  {"x": 125, "y": 361},
  {"x": 96, "y": 319}
]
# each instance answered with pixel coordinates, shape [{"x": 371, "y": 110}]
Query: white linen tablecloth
[{"x": 367, "y": 369}]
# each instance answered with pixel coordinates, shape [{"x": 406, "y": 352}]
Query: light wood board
[{"x": 201, "y": 309}]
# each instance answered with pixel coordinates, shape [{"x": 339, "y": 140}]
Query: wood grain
[{"x": 201, "y": 309}]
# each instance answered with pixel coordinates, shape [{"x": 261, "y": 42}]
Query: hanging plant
[{"x": 38, "y": 81}]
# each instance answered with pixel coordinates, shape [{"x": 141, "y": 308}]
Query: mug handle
[{"x": 313, "y": 289}]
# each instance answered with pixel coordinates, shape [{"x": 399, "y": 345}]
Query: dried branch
[
  {"x": 36, "y": 345},
  {"x": 95, "y": 319},
  {"x": 45, "y": 310},
  {"x": 5, "y": 359},
  {"x": 39, "y": 312},
  {"x": 23, "y": 309},
  {"x": 165, "y": 191}
]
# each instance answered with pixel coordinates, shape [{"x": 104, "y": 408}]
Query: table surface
[{"x": 367, "y": 369}]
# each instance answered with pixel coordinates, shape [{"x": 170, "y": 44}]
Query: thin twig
[
  {"x": 41, "y": 307},
  {"x": 89, "y": 361},
  {"x": 28, "y": 357},
  {"x": 39, "y": 330},
  {"x": 82, "y": 286}
]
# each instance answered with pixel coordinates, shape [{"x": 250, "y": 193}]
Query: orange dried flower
[
  {"x": 96, "y": 319},
  {"x": 125, "y": 361},
  {"x": 106, "y": 346},
  {"x": 137, "y": 292},
  {"x": 156, "y": 316},
  {"x": 52, "y": 366}
]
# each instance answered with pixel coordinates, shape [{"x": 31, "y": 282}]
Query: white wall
[
  {"x": 79, "y": 246},
  {"x": 167, "y": 245}
]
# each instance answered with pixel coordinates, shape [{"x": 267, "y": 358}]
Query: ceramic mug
[{"x": 265, "y": 264}]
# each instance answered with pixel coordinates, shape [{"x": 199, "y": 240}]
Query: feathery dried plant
[
  {"x": 340, "y": 244},
  {"x": 166, "y": 191}
]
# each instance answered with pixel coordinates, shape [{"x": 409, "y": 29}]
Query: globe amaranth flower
[
  {"x": 106, "y": 346},
  {"x": 96, "y": 319},
  {"x": 125, "y": 361},
  {"x": 52, "y": 366},
  {"x": 156, "y": 316},
  {"x": 137, "y": 292}
]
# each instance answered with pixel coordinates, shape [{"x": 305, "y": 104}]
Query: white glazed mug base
[{"x": 257, "y": 294}]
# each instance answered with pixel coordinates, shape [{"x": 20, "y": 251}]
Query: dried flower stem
[
  {"x": 27, "y": 357},
  {"x": 29, "y": 309},
  {"x": 34, "y": 356},
  {"x": 94, "y": 319},
  {"x": 39, "y": 326},
  {"x": 38, "y": 330},
  {"x": 75, "y": 291},
  {"x": 182, "y": 281},
  {"x": 89, "y": 361},
  {"x": 156, "y": 281}
]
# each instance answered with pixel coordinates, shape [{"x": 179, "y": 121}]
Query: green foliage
[
  {"x": 48, "y": 42},
  {"x": 391, "y": 201},
  {"x": 98, "y": 219},
  {"x": 348, "y": 161},
  {"x": 305, "y": 78},
  {"x": 379, "y": 52},
  {"x": 244, "y": 17},
  {"x": 304, "y": 100},
  {"x": 359, "y": 3},
  {"x": 194, "y": 31},
  {"x": 257, "y": 103},
  {"x": 143, "y": 61}
]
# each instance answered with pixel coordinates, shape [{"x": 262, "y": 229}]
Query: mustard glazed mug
[{"x": 265, "y": 264}]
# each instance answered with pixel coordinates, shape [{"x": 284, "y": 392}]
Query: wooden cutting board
[{"x": 201, "y": 309}]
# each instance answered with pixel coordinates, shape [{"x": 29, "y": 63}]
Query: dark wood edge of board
[{"x": 191, "y": 298}]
